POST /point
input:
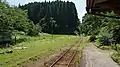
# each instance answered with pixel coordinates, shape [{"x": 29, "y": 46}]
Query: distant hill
[{"x": 53, "y": 17}]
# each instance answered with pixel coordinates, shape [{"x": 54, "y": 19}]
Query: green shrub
[
  {"x": 114, "y": 47},
  {"x": 105, "y": 47},
  {"x": 19, "y": 40},
  {"x": 116, "y": 57},
  {"x": 92, "y": 38},
  {"x": 105, "y": 37},
  {"x": 34, "y": 30}
]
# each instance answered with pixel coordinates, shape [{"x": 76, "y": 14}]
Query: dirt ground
[
  {"x": 47, "y": 61},
  {"x": 43, "y": 62}
]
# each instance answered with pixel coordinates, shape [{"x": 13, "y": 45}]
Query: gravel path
[{"x": 94, "y": 57}]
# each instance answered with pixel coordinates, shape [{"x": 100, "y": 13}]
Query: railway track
[{"x": 67, "y": 59}]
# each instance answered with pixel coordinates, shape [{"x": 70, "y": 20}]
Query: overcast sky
[{"x": 80, "y": 4}]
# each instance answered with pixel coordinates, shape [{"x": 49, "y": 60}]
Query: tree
[
  {"x": 13, "y": 18},
  {"x": 64, "y": 13},
  {"x": 105, "y": 28}
]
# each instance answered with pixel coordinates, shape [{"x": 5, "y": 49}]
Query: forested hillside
[{"x": 53, "y": 17}]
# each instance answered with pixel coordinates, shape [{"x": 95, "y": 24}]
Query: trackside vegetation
[
  {"x": 36, "y": 48},
  {"x": 105, "y": 31}
]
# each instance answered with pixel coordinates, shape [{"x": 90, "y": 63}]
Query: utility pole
[
  {"x": 52, "y": 25},
  {"x": 52, "y": 30}
]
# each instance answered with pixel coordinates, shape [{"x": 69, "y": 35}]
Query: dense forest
[{"x": 53, "y": 17}]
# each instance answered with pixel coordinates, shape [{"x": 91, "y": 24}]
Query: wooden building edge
[{"x": 103, "y": 6}]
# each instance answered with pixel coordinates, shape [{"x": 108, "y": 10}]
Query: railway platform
[{"x": 94, "y": 57}]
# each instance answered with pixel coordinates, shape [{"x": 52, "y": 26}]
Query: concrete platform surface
[{"x": 94, "y": 57}]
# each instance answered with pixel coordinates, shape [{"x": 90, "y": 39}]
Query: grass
[
  {"x": 83, "y": 44},
  {"x": 38, "y": 47},
  {"x": 116, "y": 57}
]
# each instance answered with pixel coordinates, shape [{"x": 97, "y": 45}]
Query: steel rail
[
  {"x": 61, "y": 57},
  {"x": 73, "y": 55}
]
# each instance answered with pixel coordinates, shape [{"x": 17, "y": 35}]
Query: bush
[
  {"x": 105, "y": 47},
  {"x": 105, "y": 37},
  {"x": 116, "y": 34},
  {"x": 19, "y": 40},
  {"x": 92, "y": 38},
  {"x": 35, "y": 30},
  {"x": 116, "y": 57},
  {"x": 114, "y": 47},
  {"x": 106, "y": 41}
]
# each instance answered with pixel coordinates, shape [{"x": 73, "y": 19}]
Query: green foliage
[
  {"x": 105, "y": 47},
  {"x": 18, "y": 37},
  {"x": 64, "y": 14},
  {"x": 116, "y": 57},
  {"x": 13, "y": 18},
  {"x": 105, "y": 37},
  {"x": 106, "y": 29},
  {"x": 37, "y": 48},
  {"x": 116, "y": 33},
  {"x": 34, "y": 30},
  {"x": 91, "y": 24},
  {"x": 92, "y": 38}
]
